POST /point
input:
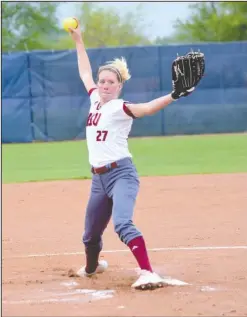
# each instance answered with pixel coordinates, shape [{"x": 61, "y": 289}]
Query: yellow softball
[{"x": 70, "y": 23}]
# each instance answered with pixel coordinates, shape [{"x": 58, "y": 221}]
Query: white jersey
[{"x": 107, "y": 130}]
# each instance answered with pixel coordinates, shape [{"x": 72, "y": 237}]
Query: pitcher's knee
[{"x": 126, "y": 231}]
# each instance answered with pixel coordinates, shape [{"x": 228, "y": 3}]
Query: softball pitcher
[{"x": 115, "y": 182}]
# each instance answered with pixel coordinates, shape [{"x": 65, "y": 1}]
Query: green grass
[{"x": 152, "y": 156}]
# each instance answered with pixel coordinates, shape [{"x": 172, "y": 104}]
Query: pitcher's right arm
[{"x": 84, "y": 65}]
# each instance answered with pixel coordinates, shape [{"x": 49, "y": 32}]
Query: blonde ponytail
[{"x": 119, "y": 66}]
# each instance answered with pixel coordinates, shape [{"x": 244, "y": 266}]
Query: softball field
[{"x": 192, "y": 210}]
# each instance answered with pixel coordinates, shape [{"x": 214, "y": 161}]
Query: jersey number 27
[{"x": 101, "y": 135}]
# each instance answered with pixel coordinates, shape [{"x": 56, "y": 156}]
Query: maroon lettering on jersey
[
  {"x": 93, "y": 119},
  {"x": 89, "y": 119},
  {"x": 101, "y": 135},
  {"x": 96, "y": 118}
]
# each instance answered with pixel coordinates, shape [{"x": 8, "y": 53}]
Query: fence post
[
  {"x": 161, "y": 86},
  {"x": 30, "y": 95},
  {"x": 44, "y": 103}
]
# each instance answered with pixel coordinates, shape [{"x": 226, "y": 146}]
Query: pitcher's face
[{"x": 108, "y": 85}]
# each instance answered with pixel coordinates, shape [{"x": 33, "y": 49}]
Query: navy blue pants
[{"x": 112, "y": 194}]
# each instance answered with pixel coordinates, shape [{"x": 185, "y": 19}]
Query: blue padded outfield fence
[{"x": 43, "y": 98}]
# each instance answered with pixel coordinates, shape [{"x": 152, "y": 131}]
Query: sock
[
  {"x": 138, "y": 248},
  {"x": 92, "y": 258}
]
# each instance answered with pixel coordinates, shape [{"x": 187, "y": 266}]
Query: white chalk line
[{"x": 206, "y": 248}]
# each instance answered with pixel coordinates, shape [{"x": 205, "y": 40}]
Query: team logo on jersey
[{"x": 93, "y": 119}]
